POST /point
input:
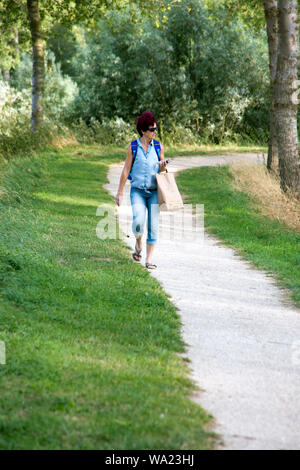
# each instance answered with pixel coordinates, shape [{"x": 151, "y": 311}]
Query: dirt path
[{"x": 242, "y": 338}]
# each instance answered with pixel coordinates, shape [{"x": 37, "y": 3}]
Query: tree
[
  {"x": 270, "y": 7},
  {"x": 38, "y": 72},
  {"x": 285, "y": 95},
  {"x": 40, "y": 15}
]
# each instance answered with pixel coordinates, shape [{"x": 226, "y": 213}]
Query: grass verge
[
  {"x": 93, "y": 347},
  {"x": 235, "y": 218}
]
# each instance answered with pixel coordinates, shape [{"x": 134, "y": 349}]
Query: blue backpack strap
[
  {"x": 157, "y": 148},
  {"x": 134, "y": 147}
]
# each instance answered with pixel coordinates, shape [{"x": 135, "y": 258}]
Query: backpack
[{"x": 134, "y": 147}]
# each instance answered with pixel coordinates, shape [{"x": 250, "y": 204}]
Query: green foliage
[
  {"x": 192, "y": 69},
  {"x": 15, "y": 107},
  {"x": 195, "y": 64},
  {"x": 251, "y": 12},
  {"x": 60, "y": 91},
  {"x": 14, "y": 37},
  {"x": 14, "y": 119},
  {"x": 63, "y": 43},
  {"x": 109, "y": 131}
]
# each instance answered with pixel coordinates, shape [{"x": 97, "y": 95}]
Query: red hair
[{"x": 144, "y": 121}]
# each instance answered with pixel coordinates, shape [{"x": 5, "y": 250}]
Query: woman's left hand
[{"x": 163, "y": 165}]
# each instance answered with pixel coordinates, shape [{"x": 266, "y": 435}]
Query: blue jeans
[{"x": 142, "y": 199}]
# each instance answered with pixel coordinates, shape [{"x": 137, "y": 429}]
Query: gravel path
[{"x": 242, "y": 336}]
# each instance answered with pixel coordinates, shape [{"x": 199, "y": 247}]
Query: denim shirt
[{"x": 145, "y": 167}]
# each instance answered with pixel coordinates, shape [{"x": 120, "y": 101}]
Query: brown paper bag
[{"x": 169, "y": 197}]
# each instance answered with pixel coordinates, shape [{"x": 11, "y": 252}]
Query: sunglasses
[{"x": 152, "y": 129}]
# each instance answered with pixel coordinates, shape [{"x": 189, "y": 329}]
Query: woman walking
[{"x": 145, "y": 158}]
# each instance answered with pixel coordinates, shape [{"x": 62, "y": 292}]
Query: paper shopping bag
[{"x": 169, "y": 197}]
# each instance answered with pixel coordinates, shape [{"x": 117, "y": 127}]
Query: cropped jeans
[{"x": 143, "y": 200}]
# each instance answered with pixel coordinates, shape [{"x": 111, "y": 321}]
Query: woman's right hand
[{"x": 118, "y": 199}]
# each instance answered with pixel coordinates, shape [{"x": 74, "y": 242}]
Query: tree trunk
[
  {"x": 286, "y": 99},
  {"x": 270, "y": 7},
  {"x": 38, "y": 65}
]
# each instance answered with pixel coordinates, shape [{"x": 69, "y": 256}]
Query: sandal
[
  {"x": 150, "y": 266},
  {"x": 136, "y": 255}
]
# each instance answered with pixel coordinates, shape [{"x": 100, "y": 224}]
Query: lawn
[{"x": 94, "y": 355}]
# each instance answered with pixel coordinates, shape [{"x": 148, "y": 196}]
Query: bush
[
  {"x": 14, "y": 120},
  {"x": 181, "y": 135},
  {"x": 109, "y": 131},
  {"x": 16, "y": 136},
  {"x": 15, "y": 108},
  {"x": 60, "y": 90}
]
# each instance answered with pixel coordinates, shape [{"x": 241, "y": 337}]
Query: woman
[{"x": 143, "y": 193}]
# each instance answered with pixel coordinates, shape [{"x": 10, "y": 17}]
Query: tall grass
[{"x": 264, "y": 187}]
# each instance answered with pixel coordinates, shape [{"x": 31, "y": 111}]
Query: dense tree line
[{"x": 194, "y": 69}]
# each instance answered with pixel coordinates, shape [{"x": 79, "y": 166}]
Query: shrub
[
  {"x": 15, "y": 108},
  {"x": 109, "y": 131}
]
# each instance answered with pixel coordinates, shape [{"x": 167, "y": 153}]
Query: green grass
[
  {"x": 95, "y": 358},
  {"x": 235, "y": 218}
]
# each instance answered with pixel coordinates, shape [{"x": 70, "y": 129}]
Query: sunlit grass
[{"x": 68, "y": 200}]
